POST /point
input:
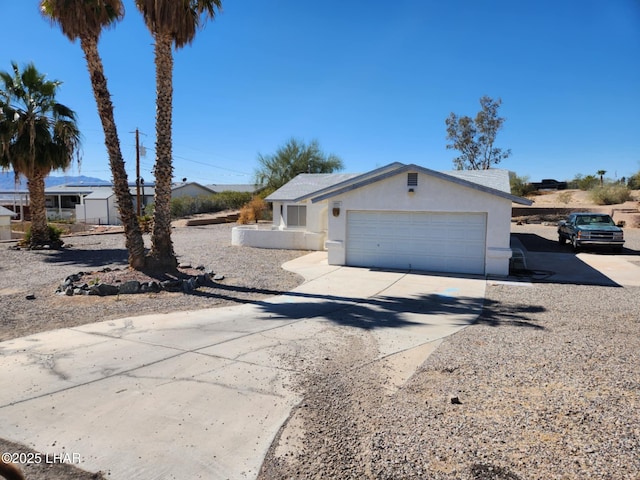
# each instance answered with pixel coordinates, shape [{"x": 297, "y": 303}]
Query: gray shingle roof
[
  {"x": 493, "y": 178},
  {"x": 307, "y": 183},
  {"x": 322, "y": 186}
]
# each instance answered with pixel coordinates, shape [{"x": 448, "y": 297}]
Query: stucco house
[{"x": 397, "y": 216}]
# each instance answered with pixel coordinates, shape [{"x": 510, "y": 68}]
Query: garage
[{"x": 431, "y": 241}]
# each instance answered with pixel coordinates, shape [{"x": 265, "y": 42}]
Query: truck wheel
[
  {"x": 561, "y": 240},
  {"x": 576, "y": 245}
]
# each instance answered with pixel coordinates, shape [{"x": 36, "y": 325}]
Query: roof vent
[{"x": 412, "y": 179}]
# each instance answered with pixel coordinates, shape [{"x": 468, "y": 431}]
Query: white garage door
[{"x": 438, "y": 242}]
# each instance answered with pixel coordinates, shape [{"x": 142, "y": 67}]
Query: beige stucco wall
[
  {"x": 5, "y": 227},
  {"x": 316, "y": 216},
  {"x": 430, "y": 195}
]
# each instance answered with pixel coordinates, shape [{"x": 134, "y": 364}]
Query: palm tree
[
  {"x": 171, "y": 23},
  {"x": 85, "y": 20},
  {"x": 601, "y": 173},
  {"x": 37, "y": 135}
]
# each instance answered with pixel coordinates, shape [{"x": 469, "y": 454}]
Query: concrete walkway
[{"x": 202, "y": 394}]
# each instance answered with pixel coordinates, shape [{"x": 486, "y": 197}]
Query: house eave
[{"x": 398, "y": 168}]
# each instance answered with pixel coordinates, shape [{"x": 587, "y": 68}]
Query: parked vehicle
[
  {"x": 590, "y": 229},
  {"x": 549, "y": 184}
]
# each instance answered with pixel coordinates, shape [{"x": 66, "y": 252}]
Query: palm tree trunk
[
  {"x": 37, "y": 206},
  {"x": 132, "y": 231},
  {"x": 162, "y": 255}
]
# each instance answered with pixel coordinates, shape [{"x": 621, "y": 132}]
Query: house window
[
  {"x": 412, "y": 179},
  {"x": 296, "y": 216}
]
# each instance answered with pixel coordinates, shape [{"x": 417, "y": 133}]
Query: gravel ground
[
  {"x": 250, "y": 274},
  {"x": 547, "y": 383},
  {"x": 547, "y": 380}
]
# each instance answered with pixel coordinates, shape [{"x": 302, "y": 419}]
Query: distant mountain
[{"x": 7, "y": 181}]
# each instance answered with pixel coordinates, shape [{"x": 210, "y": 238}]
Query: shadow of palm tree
[
  {"x": 397, "y": 312},
  {"x": 89, "y": 258},
  {"x": 496, "y": 314}
]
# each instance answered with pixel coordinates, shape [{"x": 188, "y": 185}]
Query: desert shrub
[
  {"x": 584, "y": 183},
  {"x": 233, "y": 200},
  {"x": 634, "y": 182},
  {"x": 565, "y": 197},
  {"x": 217, "y": 202},
  {"x": 610, "y": 194},
  {"x": 520, "y": 186},
  {"x": 253, "y": 211},
  {"x": 54, "y": 235}
]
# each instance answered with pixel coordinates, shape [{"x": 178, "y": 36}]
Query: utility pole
[{"x": 138, "y": 172}]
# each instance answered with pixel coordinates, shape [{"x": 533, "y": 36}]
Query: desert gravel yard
[
  {"x": 547, "y": 381},
  {"x": 249, "y": 274}
]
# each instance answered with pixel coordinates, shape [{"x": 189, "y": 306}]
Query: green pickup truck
[{"x": 590, "y": 229}]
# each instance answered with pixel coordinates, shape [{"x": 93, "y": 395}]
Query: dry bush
[
  {"x": 565, "y": 197},
  {"x": 253, "y": 211}
]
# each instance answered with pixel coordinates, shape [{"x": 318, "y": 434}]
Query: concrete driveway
[
  {"x": 547, "y": 261},
  {"x": 202, "y": 394}
]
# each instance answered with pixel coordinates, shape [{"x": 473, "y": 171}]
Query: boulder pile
[{"x": 74, "y": 284}]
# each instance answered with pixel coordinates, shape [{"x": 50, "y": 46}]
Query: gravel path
[{"x": 548, "y": 379}]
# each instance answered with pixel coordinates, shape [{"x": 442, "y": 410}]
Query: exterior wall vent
[{"x": 412, "y": 179}]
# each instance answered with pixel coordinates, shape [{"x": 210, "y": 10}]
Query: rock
[
  {"x": 69, "y": 291},
  {"x": 171, "y": 285},
  {"x": 456, "y": 401},
  {"x": 103, "y": 290},
  {"x": 200, "y": 267},
  {"x": 129, "y": 288},
  {"x": 218, "y": 278},
  {"x": 73, "y": 278},
  {"x": 31, "y": 296},
  {"x": 187, "y": 286},
  {"x": 184, "y": 265}
]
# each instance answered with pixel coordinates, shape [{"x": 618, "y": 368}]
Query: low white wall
[
  {"x": 497, "y": 261},
  {"x": 253, "y": 236}
]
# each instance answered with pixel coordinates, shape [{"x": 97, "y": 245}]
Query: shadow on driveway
[
  {"x": 549, "y": 262},
  {"x": 397, "y": 312}
]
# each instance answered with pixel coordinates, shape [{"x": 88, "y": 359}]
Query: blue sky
[{"x": 372, "y": 81}]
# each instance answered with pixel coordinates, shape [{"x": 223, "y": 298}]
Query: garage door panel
[{"x": 444, "y": 242}]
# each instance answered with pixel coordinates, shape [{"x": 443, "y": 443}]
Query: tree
[
  {"x": 85, "y": 20},
  {"x": 292, "y": 159},
  {"x": 37, "y": 135},
  {"x": 171, "y": 23},
  {"x": 520, "y": 186},
  {"x": 475, "y": 138}
]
